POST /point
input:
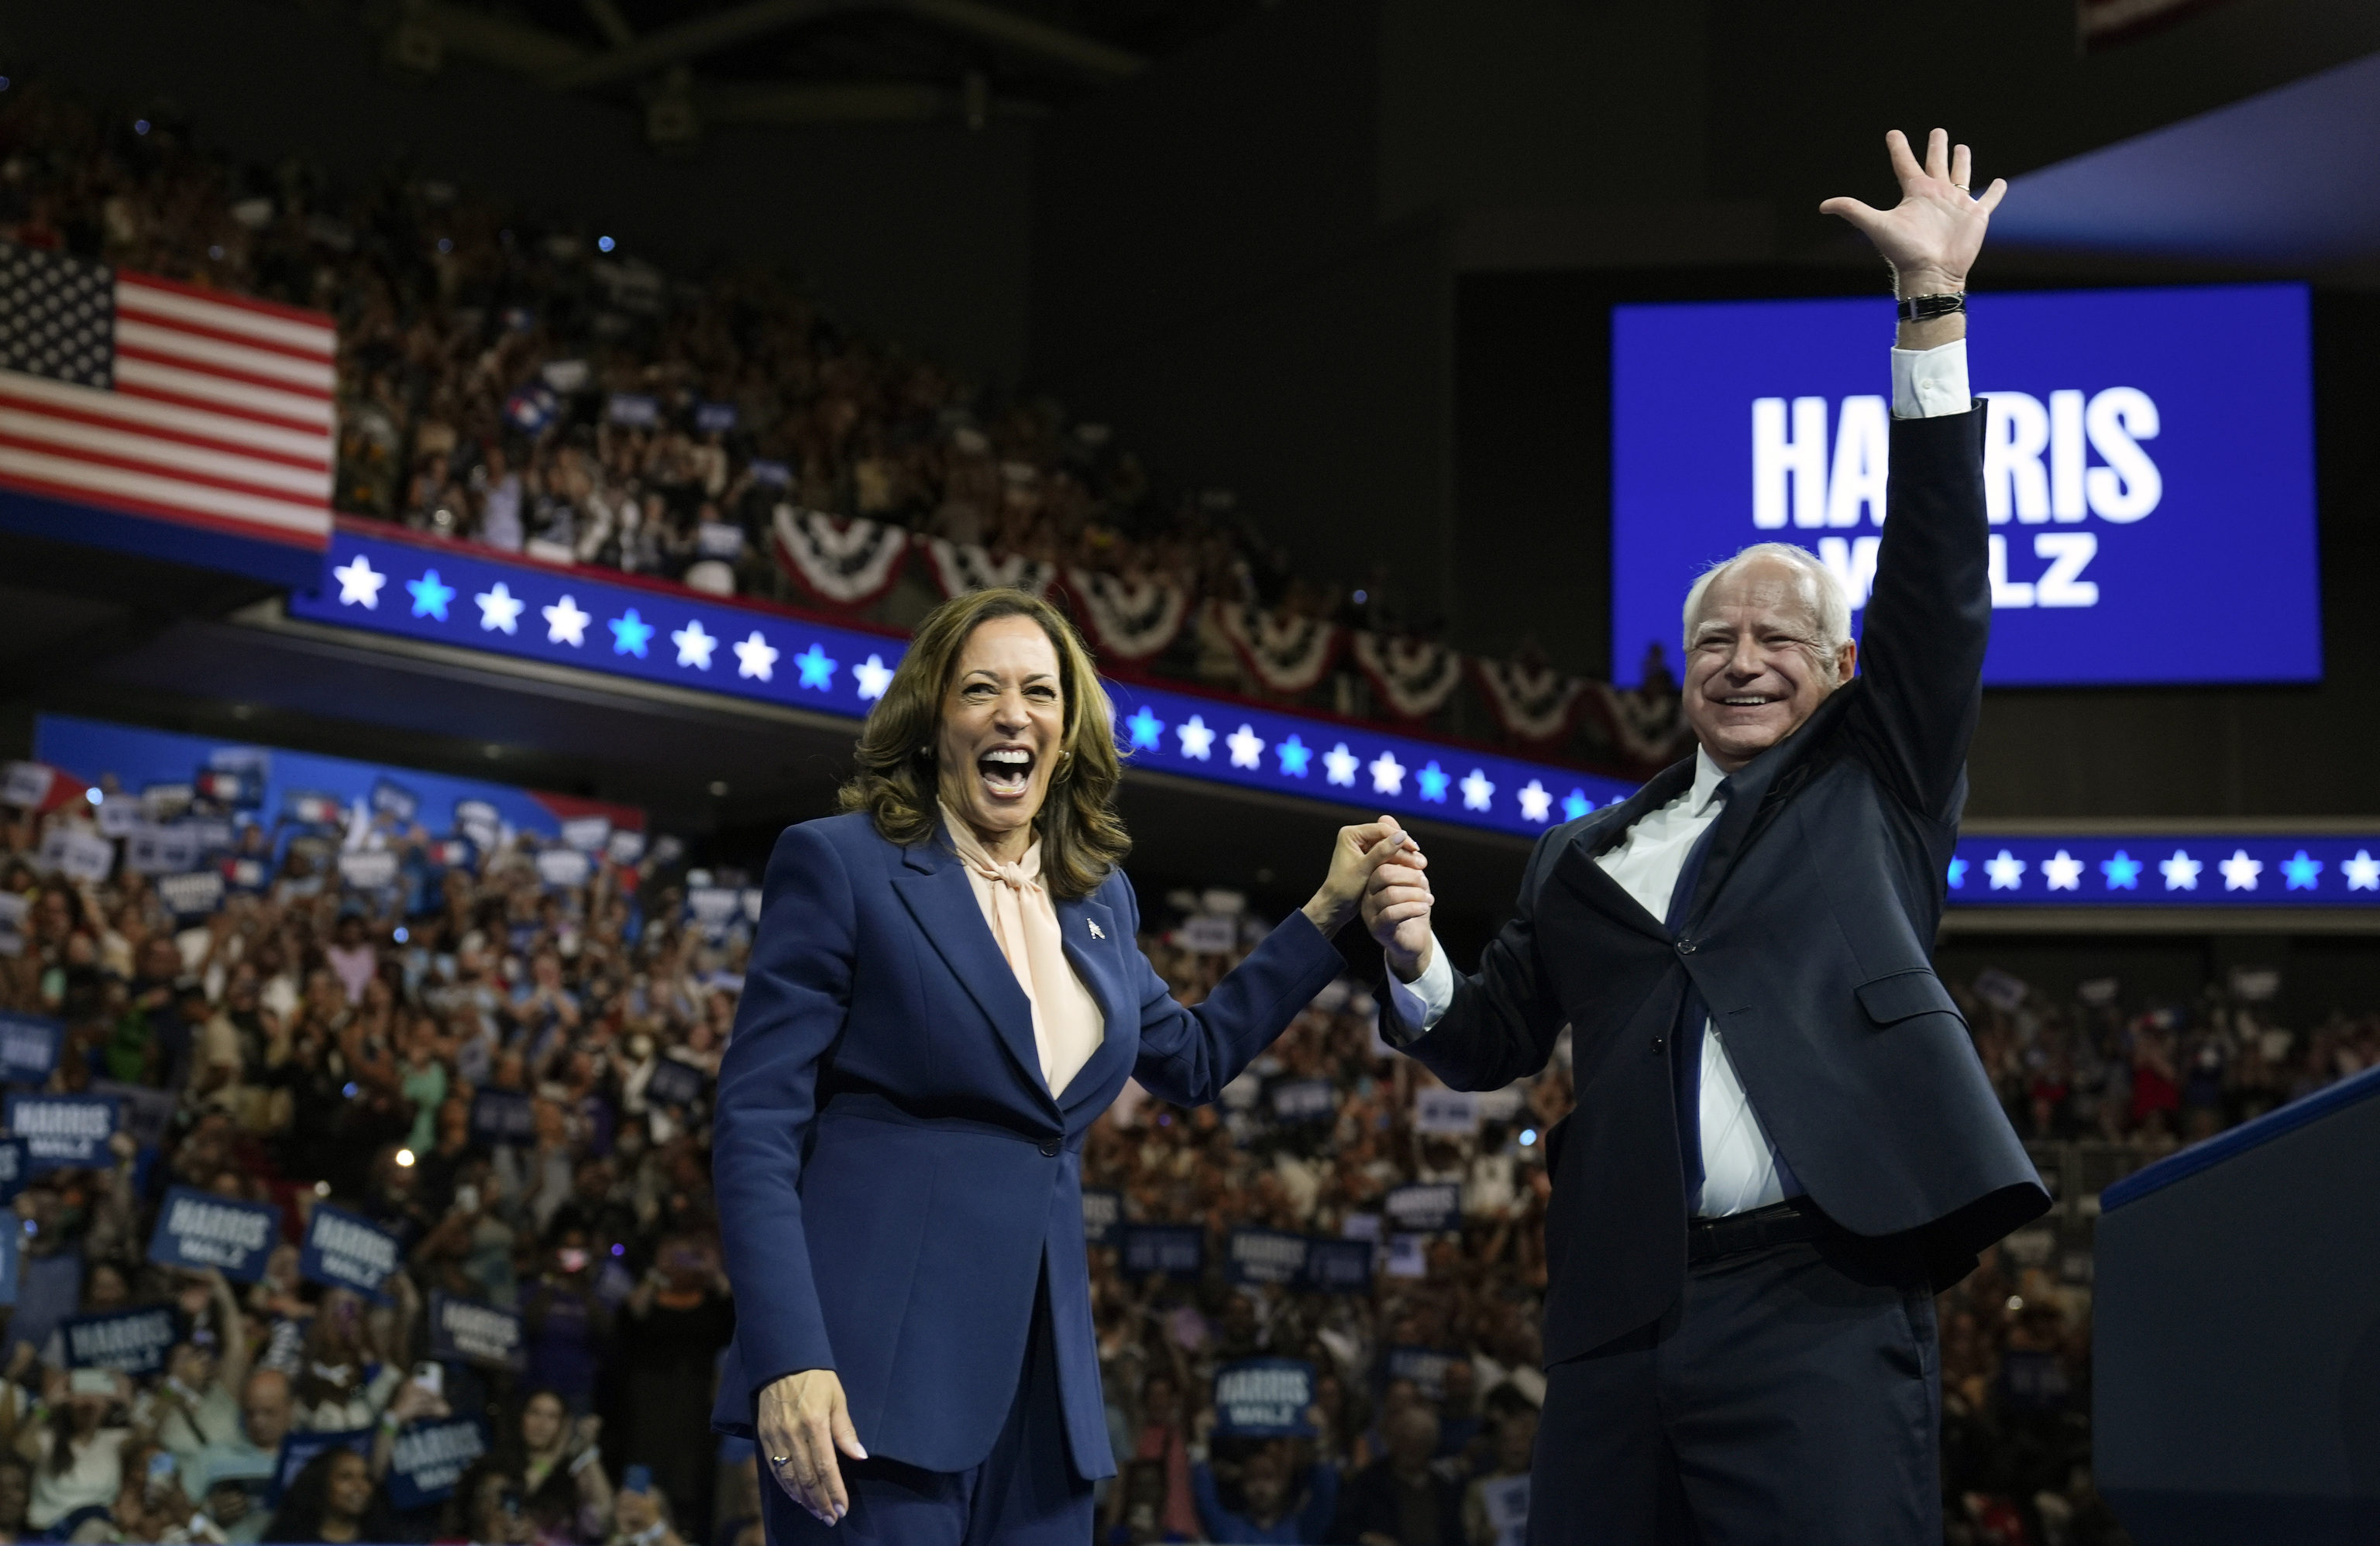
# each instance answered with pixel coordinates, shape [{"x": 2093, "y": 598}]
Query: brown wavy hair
[{"x": 1082, "y": 837}]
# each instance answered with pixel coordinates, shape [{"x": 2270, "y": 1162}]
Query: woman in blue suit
[{"x": 944, "y": 993}]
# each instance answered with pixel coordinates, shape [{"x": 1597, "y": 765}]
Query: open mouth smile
[{"x": 1006, "y": 771}]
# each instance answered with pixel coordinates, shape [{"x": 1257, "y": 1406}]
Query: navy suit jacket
[
  {"x": 893, "y": 1176},
  {"x": 1809, "y": 936}
]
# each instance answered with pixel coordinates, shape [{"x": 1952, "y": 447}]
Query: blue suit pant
[
  {"x": 1790, "y": 1397},
  {"x": 1025, "y": 1493}
]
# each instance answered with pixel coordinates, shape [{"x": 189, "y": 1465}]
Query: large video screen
[{"x": 2149, "y": 470}]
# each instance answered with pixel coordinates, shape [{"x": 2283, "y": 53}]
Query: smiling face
[
  {"x": 1004, "y": 719},
  {"x": 1757, "y": 664}
]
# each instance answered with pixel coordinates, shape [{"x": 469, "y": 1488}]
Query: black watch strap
[{"x": 1926, "y": 308}]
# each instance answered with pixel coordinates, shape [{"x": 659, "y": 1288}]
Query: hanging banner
[
  {"x": 1128, "y": 620},
  {"x": 962, "y": 567},
  {"x": 201, "y": 1229},
  {"x": 1412, "y": 678},
  {"x": 841, "y": 562},
  {"x": 1285, "y": 653}
]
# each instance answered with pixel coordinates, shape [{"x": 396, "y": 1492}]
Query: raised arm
[{"x": 1929, "y": 612}]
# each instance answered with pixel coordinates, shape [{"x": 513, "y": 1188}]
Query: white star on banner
[
  {"x": 1197, "y": 740},
  {"x": 2363, "y": 872},
  {"x": 2006, "y": 869},
  {"x": 873, "y": 676},
  {"x": 1388, "y": 774},
  {"x": 567, "y": 624},
  {"x": 500, "y": 609},
  {"x": 1339, "y": 764},
  {"x": 2062, "y": 871},
  {"x": 2240, "y": 872},
  {"x": 756, "y": 657},
  {"x": 1536, "y": 801},
  {"x": 693, "y": 645},
  {"x": 2180, "y": 872},
  {"x": 1477, "y": 791},
  {"x": 359, "y": 583},
  {"x": 1248, "y": 748}
]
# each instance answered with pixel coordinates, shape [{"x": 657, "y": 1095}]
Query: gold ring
[{"x": 1960, "y": 187}]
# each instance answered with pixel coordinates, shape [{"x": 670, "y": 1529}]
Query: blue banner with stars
[
  {"x": 2184, "y": 870},
  {"x": 472, "y": 597}
]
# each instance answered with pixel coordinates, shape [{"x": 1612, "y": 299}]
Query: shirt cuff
[
  {"x": 1929, "y": 383},
  {"x": 1423, "y": 1002}
]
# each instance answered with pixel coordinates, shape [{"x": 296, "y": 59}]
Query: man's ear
[{"x": 1846, "y": 660}]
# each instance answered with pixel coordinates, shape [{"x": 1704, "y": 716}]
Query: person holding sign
[
  {"x": 1784, "y": 1143},
  {"x": 943, "y": 993}
]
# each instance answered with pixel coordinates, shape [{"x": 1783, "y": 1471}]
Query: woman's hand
[
  {"x": 1355, "y": 853},
  {"x": 803, "y": 1423}
]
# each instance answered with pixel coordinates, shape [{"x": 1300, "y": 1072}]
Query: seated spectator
[
  {"x": 333, "y": 1499},
  {"x": 1401, "y": 1499},
  {"x": 1269, "y": 1511}
]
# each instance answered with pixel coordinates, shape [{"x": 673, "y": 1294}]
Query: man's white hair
[{"x": 1828, "y": 602}]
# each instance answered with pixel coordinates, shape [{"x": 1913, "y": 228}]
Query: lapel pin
[{"x": 1095, "y": 931}]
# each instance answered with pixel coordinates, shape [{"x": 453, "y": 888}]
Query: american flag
[{"x": 140, "y": 394}]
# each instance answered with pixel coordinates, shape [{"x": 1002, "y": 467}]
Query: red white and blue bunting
[
  {"x": 960, "y": 567},
  {"x": 1413, "y": 677},
  {"x": 1646, "y": 727},
  {"x": 1128, "y": 620},
  {"x": 843, "y": 563},
  {"x": 1532, "y": 703},
  {"x": 1285, "y": 653}
]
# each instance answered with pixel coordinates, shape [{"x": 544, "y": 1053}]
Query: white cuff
[
  {"x": 1928, "y": 383},
  {"x": 1421, "y": 1003}
]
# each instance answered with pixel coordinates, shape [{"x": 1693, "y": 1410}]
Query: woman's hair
[
  {"x": 300, "y": 1516},
  {"x": 1082, "y": 837}
]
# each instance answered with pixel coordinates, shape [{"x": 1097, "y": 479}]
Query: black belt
[{"x": 1785, "y": 1222}]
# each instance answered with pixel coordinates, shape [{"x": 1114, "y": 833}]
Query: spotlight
[
  {"x": 94, "y": 796},
  {"x": 1528, "y": 1136},
  {"x": 404, "y": 1159},
  {"x": 402, "y": 936},
  {"x": 140, "y": 126},
  {"x": 603, "y": 243}
]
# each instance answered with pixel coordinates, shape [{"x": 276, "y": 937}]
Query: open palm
[{"x": 1932, "y": 236}]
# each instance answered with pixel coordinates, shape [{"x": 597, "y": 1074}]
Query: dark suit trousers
[
  {"x": 1791, "y": 1397},
  {"x": 1024, "y": 1493}
]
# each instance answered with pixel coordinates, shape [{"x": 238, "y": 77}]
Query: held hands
[
  {"x": 1355, "y": 854},
  {"x": 1931, "y": 237},
  {"x": 1397, "y": 902},
  {"x": 803, "y": 1421}
]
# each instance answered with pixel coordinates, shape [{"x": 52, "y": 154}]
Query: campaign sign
[
  {"x": 1264, "y": 1256},
  {"x": 13, "y": 909},
  {"x": 394, "y": 801},
  {"x": 26, "y": 784},
  {"x": 2144, "y": 449},
  {"x": 29, "y": 1048},
  {"x": 134, "y": 1341},
  {"x": 369, "y": 869},
  {"x": 77, "y": 854},
  {"x": 429, "y": 1458},
  {"x": 469, "y": 1331},
  {"x": 1305, "y": 1100},
  {"x": 200, "y": 1229},
  {"x": 1507, "y": 1500},
  {"x": 15, "y": 1169},
  {"x": 194, "y": 895},
  {"x": 1265, "y": 1398},
  {"x": 1103, "y": 1210},
  {"x": 343, "y": 1251},
  {"x": 9, "y": 1240},
  {"x": 161, "y": 849},
  {"x": 501, "y": 1117},
  {"x": 142, "y": 1110},
  {"x": 1426, "y": 1367},
  {"x": 63, "y": 1131},
  {"x": 563, "y": 867},
  {"x": 1339, "y": 1266},
  {"x": 1174, "y": 1249},
  {"x": 297, "y": 1449},
  {"x": 587, "y": 834},
  {"x": 1428, "y": 1208},
  {"x": 674, "y": 1083},
  {"x": 1447, "y": 1113}
]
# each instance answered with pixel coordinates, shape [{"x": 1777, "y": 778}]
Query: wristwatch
[{"x": 1926, "y": 308}]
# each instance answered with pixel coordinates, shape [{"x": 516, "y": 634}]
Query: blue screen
[{"x": 2149, "y": 470}]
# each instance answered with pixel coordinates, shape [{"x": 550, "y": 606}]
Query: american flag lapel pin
[{"x": 1094, "y": 929}]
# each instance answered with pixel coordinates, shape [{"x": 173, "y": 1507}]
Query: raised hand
[
  {"x": 1931, "y": 237},
  {"x": 1355, "y": 853},
  {"x": 1397, "y": 903}
]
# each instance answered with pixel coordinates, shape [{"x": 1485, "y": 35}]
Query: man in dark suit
[{"x": 1784, "y": 1143}]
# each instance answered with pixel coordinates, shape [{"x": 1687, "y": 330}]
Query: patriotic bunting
[
  {"x": 1128, "y": 620},
  {"x": 961, "y": 567},
  {"x": 1413, "y": 677},
  {"x": 1646, "y": 728},
  {"x": 1532, "y": 702},
  {"x": 844, "y": 562},
  {"x": 1285, "y": 653}
]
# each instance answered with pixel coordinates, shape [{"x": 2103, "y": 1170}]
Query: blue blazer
[{"x": 893, "y": 1176}]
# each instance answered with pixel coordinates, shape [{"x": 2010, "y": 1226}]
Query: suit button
[
  {"x": 1685, "y": 947},
  {"x": 1050, "y": 1150},
  {"x": 1658, "y": 1043}
]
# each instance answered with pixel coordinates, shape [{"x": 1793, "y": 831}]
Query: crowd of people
[
  {"x": 312, "y": 1043},
  {"x": 528, "y": 387}
]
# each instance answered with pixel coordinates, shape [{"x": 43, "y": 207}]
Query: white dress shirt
[{"x": 1740, "y": 1169}]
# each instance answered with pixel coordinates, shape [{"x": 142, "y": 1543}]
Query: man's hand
[
  {"x": 803, "y": 1421},
  {"x": 1931, "y": 237},
  {"x": 1397, "y": 902}
]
